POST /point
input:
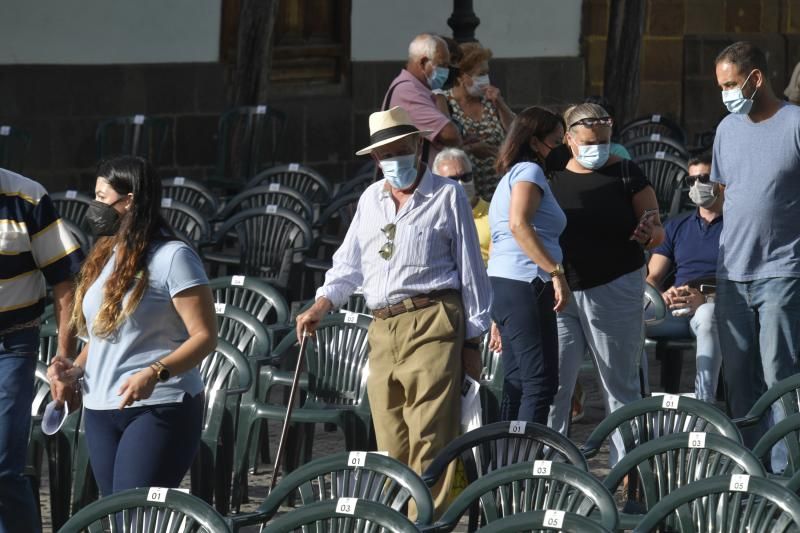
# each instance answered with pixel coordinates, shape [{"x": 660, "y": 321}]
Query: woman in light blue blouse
[{"x": 525, "y": 266}]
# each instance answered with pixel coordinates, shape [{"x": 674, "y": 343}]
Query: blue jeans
[
  {"x": 150, "y": 446},
  {"x": 524, "y": 313},
  {"x": 759, "y": 332},
  {"x": 703, "y": 327},
  {"x": 17, "y": 365}
]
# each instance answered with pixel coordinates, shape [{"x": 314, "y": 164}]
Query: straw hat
[{"x": 388, "y": 126}]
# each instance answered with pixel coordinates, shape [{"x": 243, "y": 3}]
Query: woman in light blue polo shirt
[
  {"x": 143, "y": 300},
  {"x": 525, "y": 266}
]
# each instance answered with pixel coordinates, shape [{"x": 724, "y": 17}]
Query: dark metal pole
[{"x": 463, "y": 21}]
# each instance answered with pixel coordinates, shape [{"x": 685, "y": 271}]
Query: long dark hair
[
  {"x": 532, "y": 122},
  {"x": 142, "y": 225}
]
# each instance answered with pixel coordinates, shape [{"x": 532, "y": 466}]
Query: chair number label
[
  {"x": 517, "y": 427},
  {"x": 661, "y": 154},
  {"x": 272, "y": 208},
  {"x": 157, "y": 494},
  {"x": 237, "y": 281},
  {"x": 166, "y": 202},
  {"x": 261, "y": 110},
  {"x": 138, "y": 119},
  {"x": 274, "y": 187},
  {"x": 350, "y": 318},
  {"x": 670, "y": 401},
  {"x": 356, "y": 458},
  {"x": 739, "y": 482},
  {"x": 220, "y": 308},
  {"x": 697, "y": 439},
  {"x": 72, "y": 193},
  {"x": 655, "y": 137},
  {"x": 553, "y": 518},
  {"x": 179, "y": 181},
  {"x": 346, "y": 505},
  {"x": 5, "y": 131},
  {"x": 293, "y": 167},
  {"x": 655, "y": 118},
  {"x": 542, "y": 468}
]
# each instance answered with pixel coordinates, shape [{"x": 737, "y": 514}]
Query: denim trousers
[
  {"x": 524, "y": 313},
  {"x": 18, "y": 512},
  {"x": 143, "y": 446},
  {"x": 607, "y": 320},
  {"x": 759, "y": 333},
  {"x": 708, "y": 357}
]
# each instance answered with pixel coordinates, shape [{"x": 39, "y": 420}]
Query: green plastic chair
[
  {"x": 14, "y": 144},
  {"x": 192, "y": 193},
  {"x": 258, "y": 298},
  {"x": 711, "y": 505},
  {"x": 544, "y": 521},
  {"x": 334, "y": 385},
  {"x": 673, "y": 461},
  {"x": 785, "y": 393},
  {"x": 665, "y": 172},
  {"x": 140, "y": 135},
  {"x": 492, "y": 378},
  {"x": 305, "y": 180},
  {"x": 365, "y": 475},
  {"x": 786, "y": 431},
  {"x": 72, "y": 205},
  {"x": 648, "y": 419},
  {"x": 151, "y": 510},
  {"x": 352, "y": 516},
  {"x": 272, "y": 194},
  {"x": 187, "y": 222},
  {"x": 227, "y": 377},
  {"x": 532, "y": 486}
]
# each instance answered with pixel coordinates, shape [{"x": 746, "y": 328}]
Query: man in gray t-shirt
[{"x": 757, "y": 161}]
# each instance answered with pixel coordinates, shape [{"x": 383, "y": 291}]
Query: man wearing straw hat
[{"x": 413, "y": 249}]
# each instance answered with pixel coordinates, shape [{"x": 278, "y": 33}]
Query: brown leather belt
[{"x": 414, "y": 303}]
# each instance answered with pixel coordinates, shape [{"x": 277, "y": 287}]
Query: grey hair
[
  {"x": 582, "y": 111},
  {"x": 452, "y": 154},
  {"x": 424, "y": 45}
]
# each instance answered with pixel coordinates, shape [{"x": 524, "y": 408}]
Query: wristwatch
[
  {"x": 161, "y": 370},
  {"x": 559, "y": 271}
]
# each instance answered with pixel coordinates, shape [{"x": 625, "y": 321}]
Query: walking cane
[{"x": 295, "y": 381}]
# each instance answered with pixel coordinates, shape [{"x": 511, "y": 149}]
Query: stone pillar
[{"x": 463, "y": 21}]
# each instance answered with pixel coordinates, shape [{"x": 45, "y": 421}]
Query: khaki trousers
[{"x": 414, "y": 383}]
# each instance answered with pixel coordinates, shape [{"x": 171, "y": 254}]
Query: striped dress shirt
[
  {"x": 435, "y": 247},
  {"x": 34, "y": 247}
]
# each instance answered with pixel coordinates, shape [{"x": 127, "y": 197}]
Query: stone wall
[{"x": 61, "y": 106}]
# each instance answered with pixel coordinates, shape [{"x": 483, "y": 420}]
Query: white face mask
[
  {"x": 479, "y": 85},
  {"x": 593, "y": 156},
  {"x": 735, "y": 101},
  {"x": 400, "y": 171},
  {"x": 702, "y": 194}
]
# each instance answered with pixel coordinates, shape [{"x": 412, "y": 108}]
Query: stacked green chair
[
  {"x": 306, "y": 180},
  {"x": 544, "y": 521},
  {"x": 72, "y": 205},
  {"x": 665, "y": 172},
  {"x": 187, "y": 222},
  {"x": 787, "y": 433},
  {"x": 192, "y": 193},
  {"x": 536, "y": 486},
  {"x": 492, "y": 377},
  {"x": 365, "y": 475},
  {"x": 227, "y": 377},
  {"x": 151, "y": 510},
  {"x": 736, "y": 503},
  {"x": 275, "y": 194},
  {"x": 141, "y": 135},
  {"x": 347, "y": 514},
  {"x": 674, "y": 461}
]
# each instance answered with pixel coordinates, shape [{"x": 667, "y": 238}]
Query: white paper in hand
[{"x": 53, "y": 418}]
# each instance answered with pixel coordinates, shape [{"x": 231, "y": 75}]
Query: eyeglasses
[
  {"x": 592, "y": 122},
  {"x": 702, "y": 178},
  {"x": 387, "y": 250},
  {"x": 466, "y": 177}
]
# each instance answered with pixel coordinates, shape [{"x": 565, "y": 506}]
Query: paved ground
[{"x": 327, "y": 443}]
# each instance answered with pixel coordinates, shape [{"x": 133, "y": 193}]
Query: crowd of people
[{"x": 533, "y": 229}]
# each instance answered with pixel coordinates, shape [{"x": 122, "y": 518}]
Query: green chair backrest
[
  {"x": 349, "y": 514},
  {"x": 154, "y": 510},
  {"x": 72, "y": 205},
  {"x": 534, "y": 486},
  {"x": 726, "y": 503},
  {"x": 225, "y": 372},
  {"x": 665, "y": 172},
  {"x": 786, "y": 392},
  {"x": 276, "y": 194},
  {"x": 544, "y": 521},
  {"x": 787, "y": 431},
  {"x": 187, "y": 222},
  {"x": 306, "y": 180},
  {"x": 253, "y": 295},
  {"x": 14, "y": 144},
  {"x": 133, "y": 135},
  {"x": 365, "y": 475},
  {"x": 191, "y": 193},
  {"x": 248, "y": 140},
  {"x": 242, "y": 330}
]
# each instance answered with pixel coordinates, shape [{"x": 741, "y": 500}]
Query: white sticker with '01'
[
  {"x": 670, "y": 401},
  {"x": 542, "y": 468},
  {"x": 157, "y": 494},
  {"x": 237, "y": 281},
  {"x": 739, "y": 482},
  {"x": 346, "y": 505},
  {"x": 517, "y": 427},
  {"x": 697, "y": 439},
  {"x": 356, "y": 458},
  {"x": 553, "y": 518}
]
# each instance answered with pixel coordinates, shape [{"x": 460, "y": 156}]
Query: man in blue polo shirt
[{"x": 691, "y": 245}]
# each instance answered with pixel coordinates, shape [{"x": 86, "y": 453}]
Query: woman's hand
[
  {"x": 492, "y": 94},
  {"x": 561, "y": 293},
  {"x": 63, "y": 375},
  {"x": 643, "y": 233},
  {"x": 139, "y": 386},
  {"x": 495, "y": 341}
]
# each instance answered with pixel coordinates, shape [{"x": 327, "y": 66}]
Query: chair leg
[{"x": 671, "y": 368}]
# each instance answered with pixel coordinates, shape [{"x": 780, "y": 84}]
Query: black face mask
[
  {"x": 558, "y": 158},
  {"x": 102, "y": 218}
]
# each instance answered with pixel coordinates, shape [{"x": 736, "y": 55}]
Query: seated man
[
  {"x": 454, "y": 163},
  {"x": 692, "y": 246}
]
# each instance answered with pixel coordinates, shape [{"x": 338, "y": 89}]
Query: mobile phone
[
  {"x": 647, "y": 214},
  {"x": 706, "y": 288}
]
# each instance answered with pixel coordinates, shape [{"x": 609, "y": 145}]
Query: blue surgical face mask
[
  {"x": 735, "y": 101},
  {"x": 438, "y": 77},
  {"x": 400, "y": 171},
  {"x": 593, "y": 156}
]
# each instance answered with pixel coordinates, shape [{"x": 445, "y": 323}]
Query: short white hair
[
  {"x": 424, "y": 45},
  {"x": 452, "y": 154}
]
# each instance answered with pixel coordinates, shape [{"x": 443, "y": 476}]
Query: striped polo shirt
[{"x": 35, "y": 247}]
